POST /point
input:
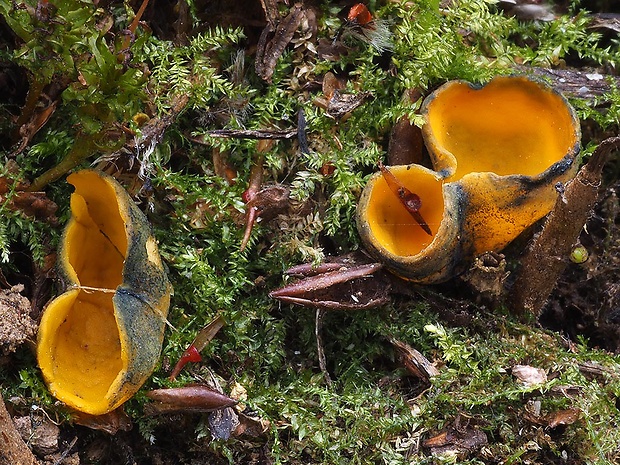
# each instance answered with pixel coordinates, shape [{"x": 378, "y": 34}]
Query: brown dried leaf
[
  {"x": 193, "y": 398},
  {"x": 111, "y": 422},
  {"x": 562, "y": 417},
  {"x": 340, "y": 105},
  {"x": 415, "y": 363},
  {"x": 457, "y": 441},
  {"x": 528, "y": 375},
  {"x": 251, "y": 426},
  {"x": 274, "y": 40},
  {"x": 36, "y": 205},
  {"x": 609, "y": 22}
]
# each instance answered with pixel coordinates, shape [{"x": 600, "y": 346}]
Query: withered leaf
[
  {"x": 274, "y": 40},
  {"x": 609, "y": 22},
  {"x": 457, "y": 441},
  {"x": 36, "y": 205},
  {"x": 251, "y": 426},
  {"x": 562, "y": 417},
  {"x": 340, "y": 105},
  {"x": 186, "y": 399},
  {"x": 528, "y": 375},
  {"x": 415, "y": 363},
  {"x": 347, "y": 288},
  {"x": 111, "y": 422}
]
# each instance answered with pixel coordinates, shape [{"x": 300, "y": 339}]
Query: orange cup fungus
[
  {"x": 497, "y": 153},
  {"x": 100, "y": 340}
]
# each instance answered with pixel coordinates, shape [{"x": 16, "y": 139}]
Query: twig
[
  {"x": 66, "y": 451},
  {"x": 545, "y": 260},
  {"x": 248, "y": 134},
  {"x": 319, "y": 345}
]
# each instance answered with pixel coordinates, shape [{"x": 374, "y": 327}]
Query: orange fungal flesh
[
  {"x": 501, "y": 128},
  {"x": 392, "y": 225}
]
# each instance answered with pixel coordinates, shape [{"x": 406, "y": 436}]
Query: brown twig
[
  {"x": 548, "y": 255},
  {"x": 319, "y": 345}
]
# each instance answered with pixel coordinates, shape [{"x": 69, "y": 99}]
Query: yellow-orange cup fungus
[
  {"x": 497, "y": 153},
  {"x": 100, "y": 340}
]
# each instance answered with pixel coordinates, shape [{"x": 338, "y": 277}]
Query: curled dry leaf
[
  {"x": 32, "y": 204},
  {"x": 406, "y": 140},
  {"x": 337, "y": 103},
  {"x": 528, "y": 375},
  {"x": 187, "y": 399},
  {"x": 458, "y": 441},
  {"x": 415, "y": 363},
  {"x": 273, "y": 41},
  {"x": 345, "y": 288},
  {"x": 111, "y": 422},
  {"x": 562, "y": 417},
  {"x": 252, "y": 426}
]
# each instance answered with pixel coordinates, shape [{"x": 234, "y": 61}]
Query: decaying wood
[
  {"x": 577, "y": 84},
  {"x": 548, "y": 255},
  {"x": 13, "y": 450}
]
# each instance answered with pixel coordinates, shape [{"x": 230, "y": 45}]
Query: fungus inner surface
[
  {"x": 392, "y": 226},
  {"x": 87, "y": 351},
  {"x": 510, "y": 126}
]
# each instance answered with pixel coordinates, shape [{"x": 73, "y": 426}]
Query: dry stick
[
  {"x": 319, "y": 345},
  {"x": 547, "y": 257},
  {"x": 13, "y": 450}
]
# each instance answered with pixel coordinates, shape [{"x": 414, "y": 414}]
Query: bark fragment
[
  {"x": 13, "y": 450},
  {"x": 549, "y": 254}
]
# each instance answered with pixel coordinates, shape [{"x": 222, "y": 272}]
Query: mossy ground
[{"x": 374, "y": 412}]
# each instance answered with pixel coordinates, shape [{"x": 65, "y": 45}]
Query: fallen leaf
[
  {"x": 456, "y": 441},
  {"x": 415, "y": 363},
  {"x": 192, "y": 398},
  {"x": 111, "y": 422},
  {"x": 528, "y": 375},
  {"x": 562, "y": 417}
]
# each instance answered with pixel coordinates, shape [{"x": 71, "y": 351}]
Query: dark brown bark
[
  {"x": 13, "y": 450},
  {"x": 548, "y": 255}
]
